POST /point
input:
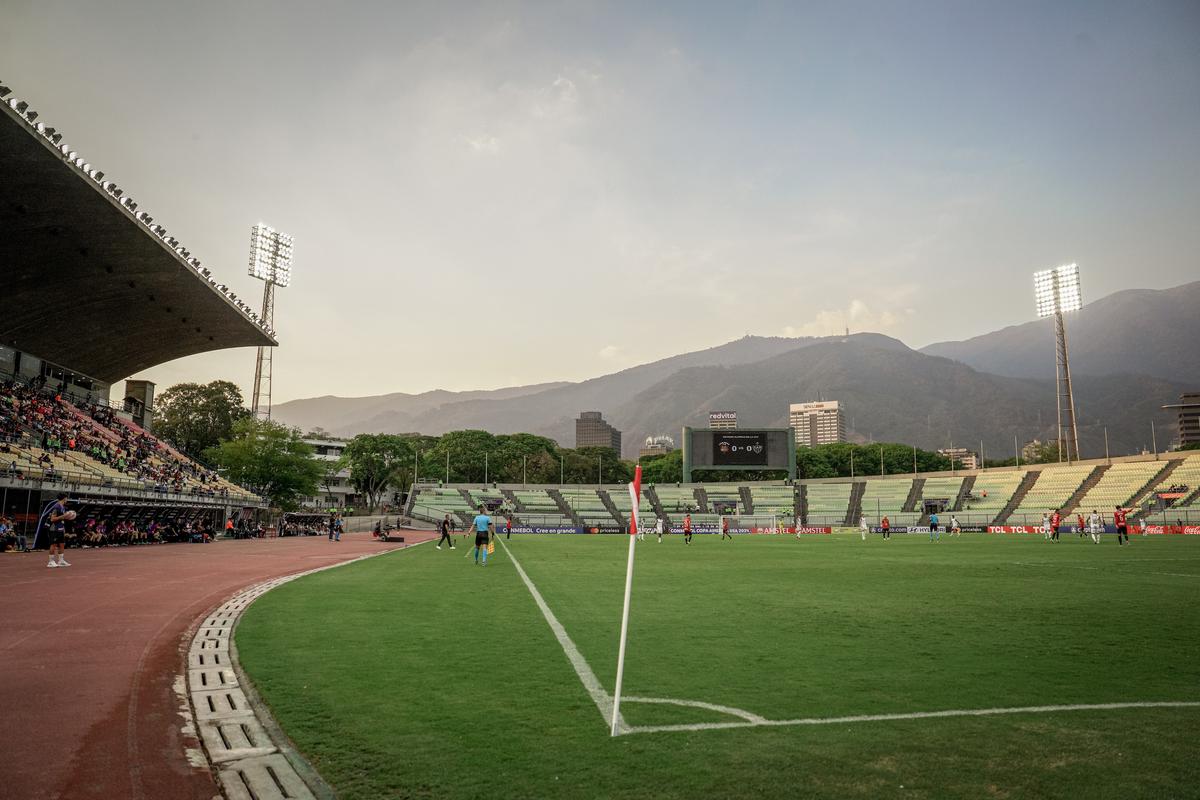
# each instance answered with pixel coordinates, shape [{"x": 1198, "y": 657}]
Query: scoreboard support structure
[{"x": 738, "y": 450}]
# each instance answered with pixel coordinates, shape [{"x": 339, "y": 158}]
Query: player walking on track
[
  {"x": 687, "y": 528},
  {"x": 444, "y": 527},
  {"x": 1122, "y": 528},
  {"x": 52, "y": 529},
  {"x": 483, "y": 528}
]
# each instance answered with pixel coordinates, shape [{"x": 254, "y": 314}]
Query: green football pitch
[{"x": 420, "y": 675}]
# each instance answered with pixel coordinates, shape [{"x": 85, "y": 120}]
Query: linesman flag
[{"x": 635, "y": 494}]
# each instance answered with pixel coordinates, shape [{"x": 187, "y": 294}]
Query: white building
[
  {"x": 817, "y": 423},
  {"x": 722, "y": 420},
  {"x": 336, "y": 490},
  {"x": 961, "y": 457}
]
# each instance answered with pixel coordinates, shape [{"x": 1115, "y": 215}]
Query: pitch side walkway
[{"x": 89, "y": 655}]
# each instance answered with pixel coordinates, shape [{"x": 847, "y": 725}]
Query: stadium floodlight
[
  {"x": 31, "y": 116},
  {"x": 5, "y": 91},
  {"x": 271, "y": 263},
  {"x": 1056, "y": 292}
]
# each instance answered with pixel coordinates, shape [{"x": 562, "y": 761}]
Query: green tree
[
  {"x": 376, "y": 461},
  {"x": 197, "y": 416},
  {"x": 272, "y": 459},
  {"x": 667, "y": 468}
]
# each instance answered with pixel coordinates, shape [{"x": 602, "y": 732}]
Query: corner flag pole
[{"x": 635, "y": 493}]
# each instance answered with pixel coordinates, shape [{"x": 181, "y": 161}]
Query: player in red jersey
[
  {"x": 1080, "y": 529},
  {"x": 1055, "y": 521},
  {"x": 1119, "y": 521}
]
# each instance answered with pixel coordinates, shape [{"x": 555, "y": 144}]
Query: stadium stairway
[
  {"x": 651, "y": 495},
  {"x": 914, "y": 495},
  {"x": 1191, "y": 499},
  {"x": 964, "y": 492},
  {"x": 702, "y": 500},
  {"x": 1091, "y": 480},
  {"x": 801, "y": 504},
  {"x": 511, "y": 497},
  {"x": 611, "y": 507},
  {"x": 467, "y": 497},
  {"x": 412, "y": 501},
  {"x": 854, "y": 510},
  {"x": 564, "y": 507},
  {"x": 1018, "y": 496},
  {"x": 747, "y": 500}
]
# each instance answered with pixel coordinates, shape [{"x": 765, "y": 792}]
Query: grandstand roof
[{"x": 86, "y": 283}]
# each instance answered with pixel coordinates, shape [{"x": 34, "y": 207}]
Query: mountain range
[{"x": 1131, "y": 352}]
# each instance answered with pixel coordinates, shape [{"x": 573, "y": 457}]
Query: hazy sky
[{"x": 487, "y": 195}]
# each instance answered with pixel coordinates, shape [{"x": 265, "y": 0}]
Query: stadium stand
[
  {"x": 886, "y": 497},
  {"x": 1051, "y": 491},
  {"x": 989, "y": 496},
  {"x": 1118, "y": 486},
  {"x": 828, "y": 503},
  {"x": 775, "y": 500}
]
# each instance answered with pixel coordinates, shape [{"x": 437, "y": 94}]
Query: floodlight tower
[
  {"x": 271, "y": 263},
  {"x": 1057, "y": 292}
]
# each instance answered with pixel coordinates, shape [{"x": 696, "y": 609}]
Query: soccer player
[
  {"x": 508, "y": 527},
  {"x": 53, "y": 523},
  {"x": 725, "y": 529},
  {"x": 483, "y": 527},
  {"x": 887, "y": 528},
  {"x": 862, "y": 526},
  {"x": 1122, "y": 528},
  {"x": 955, "y": 528},
  {"x": 658, "y": 528},
  {"x": 933, "y": 528},
  {"x": 1094, "y": 526},
  {"x": 1055, "y": 521},
  {"x": 687, "y": 528},
  {"x": 444, "y": 526},
  {"x": 1079, "y": 518},
  {"x": 1046, "y": 524}
]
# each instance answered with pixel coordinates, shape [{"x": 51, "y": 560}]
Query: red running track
[{"x": 89, "y": 655}]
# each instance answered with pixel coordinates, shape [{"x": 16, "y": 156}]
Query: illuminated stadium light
[
  {"x": 271, "y": 263},
  {"x": 1056, "y": 292}
]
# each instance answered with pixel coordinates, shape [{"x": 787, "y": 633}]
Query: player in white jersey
[
  {"x": 1095, "y": 526},
  {"x": 1046, "y": 524},
  {"x": 955, "y": 528},
  {"x": 862, "y": 526},
  {"x": 658, "y": 528}
]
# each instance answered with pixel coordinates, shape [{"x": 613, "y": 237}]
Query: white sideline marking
[
  {"x": 970, "y": 712},
  {"x": 604, "y": 701},
  {"x": 591, "y": 683}
]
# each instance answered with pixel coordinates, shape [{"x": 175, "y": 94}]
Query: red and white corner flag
[{"x": 635, "y": 493}]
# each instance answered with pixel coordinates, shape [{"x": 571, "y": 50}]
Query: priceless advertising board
[{"x": 739, "y": 448}]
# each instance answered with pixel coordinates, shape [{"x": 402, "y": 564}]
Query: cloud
[
  {"x": 611, "y": 352},
  {"x": 482, "y": 144}
]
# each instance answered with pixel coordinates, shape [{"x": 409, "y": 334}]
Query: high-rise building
[
  {"x": 817, "y": 423},
  {"x": 592, "y": 431},
  {"x": 1189, "y": 418},
  {"x": 722, "y": 420}
]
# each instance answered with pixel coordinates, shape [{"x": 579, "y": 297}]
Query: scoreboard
[{"x": 738, "y": 449}]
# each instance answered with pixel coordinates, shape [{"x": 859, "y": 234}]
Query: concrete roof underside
[{"x": 85, "y": 284}]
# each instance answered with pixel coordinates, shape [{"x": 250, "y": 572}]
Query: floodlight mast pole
[
  {"x": 260, "y": 405},
  {"x": 1068, "y": 430}
]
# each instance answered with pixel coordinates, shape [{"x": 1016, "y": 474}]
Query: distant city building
[
  {"x": 817, "y": 423},
  {"x": 656, "y": 446},
  {"x": 336, "y": 491},
  {"x": 1189, "y": 418},
  {"x": 961, "y": 457},
  {"x": 592, "y": 431},
  {"x": 722, "y": 420}
]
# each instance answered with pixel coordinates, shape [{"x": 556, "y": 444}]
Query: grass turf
[{"x": 417, "y": 674}]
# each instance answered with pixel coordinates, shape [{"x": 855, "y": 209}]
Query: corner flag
[{"x": 635, "y": 493}]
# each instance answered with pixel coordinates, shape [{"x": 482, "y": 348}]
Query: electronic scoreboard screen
[{"x": 739, "y": 448}]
